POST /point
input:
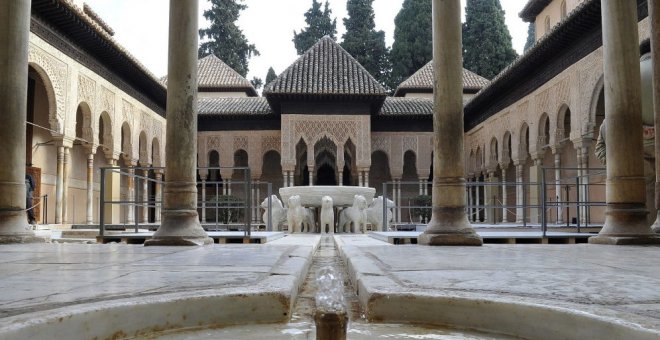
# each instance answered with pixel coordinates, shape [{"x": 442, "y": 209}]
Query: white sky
[{"x": 141, "y": 27}]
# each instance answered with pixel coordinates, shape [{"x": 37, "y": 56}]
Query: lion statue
[
  {"x": 354, "y": 219},
  {"x": 327, "y": 215},
  {"x": 375, "y": 213},
  {"x": 278, "y": 212}
]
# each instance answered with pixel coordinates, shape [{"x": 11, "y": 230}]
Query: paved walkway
[
  {"x": 52, "y": 282},
  {"x": 615, "y": 282}
]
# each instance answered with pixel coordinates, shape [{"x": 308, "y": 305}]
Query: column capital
[{"x": 581, "y": 142}]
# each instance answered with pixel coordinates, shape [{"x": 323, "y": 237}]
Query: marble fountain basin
[{"x": 310, "y": 196}]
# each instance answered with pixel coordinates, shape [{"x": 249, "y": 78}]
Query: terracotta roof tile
[
  {"x": 325, "y": 69},
  {"x": 423, "y": 80},
  {"x": 214, "y": 74},
  {"x": 532, "y": 9},
  {"x": 246, "y": 106},
  {"x": 394, "y": 106}
]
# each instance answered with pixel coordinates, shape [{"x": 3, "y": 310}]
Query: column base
[
  {"x": 179, "y": 228},
  {"x": 14, "y": 228},
  {"x": 628, "y": 240},
  {"x": 656, "y": 226},
  {"x": 449, "y": 227}
]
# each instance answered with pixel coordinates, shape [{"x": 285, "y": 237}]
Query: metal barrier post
[
  {"x": 544, "y": 217},
  {"x": 102, "y": 205},
  {"x": 248, "y": 200},
  {"x": 217, "y": 199},
  {"x": 270, "y": 207},
  {"x": 524, "y": 207},
  {"x": 578, "y": 205},
  {"x": 136, "y": 194},
  {"x": 385, "y": 226},
  {"x": 44, "y": 219}
]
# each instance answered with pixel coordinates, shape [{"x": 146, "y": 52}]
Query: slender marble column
[
  {"x": 625, "y": 215},
  {"x": 449, "y": 224},
  {"x": 59, "y": 186},
  {"x": 470, "y": 201},
  {"x": 158, "y": 195},
  {"x": 130, "y": 197},
  {"x": 285, "y": 179},
  {"x": 14, "y": 32},
  {"x": 180, "y": 224},
  {"x": 145, "y": 197},
  {"x": 311, "y": 175},
  {"x": 203, "y": 200},
  {"x": 65, "y": 185},
  {"x": 654, "y": 15},
  {"x": 291, "y": 180},
  {"x": 90, "y": 188},
  {"x": 229, "y": 187},
  {"x": 341, "y": 178},
  {"x": 520, "y": 191},
  {"x": 560, "y": 218},
  {"x": 421, "y": 186},
  {"x": 505, "y": 218}
]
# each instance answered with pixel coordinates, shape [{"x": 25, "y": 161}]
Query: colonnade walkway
[{"x": 74, "y": 291}]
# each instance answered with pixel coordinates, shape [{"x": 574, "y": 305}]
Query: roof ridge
[{"x": 310, "y": 73}]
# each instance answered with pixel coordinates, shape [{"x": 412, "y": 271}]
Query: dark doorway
[{"x": 326, "y": 175}]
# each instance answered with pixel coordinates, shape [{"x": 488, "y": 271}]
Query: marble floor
[{"x": 620, "y": 282}]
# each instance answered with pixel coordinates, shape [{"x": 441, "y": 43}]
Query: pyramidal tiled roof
[
  {"x": 214, "y": 74},
  {"x": 423, "y": 79},
  {"x": 325, "y": 69},
  {"x": 246, "y": 106}
]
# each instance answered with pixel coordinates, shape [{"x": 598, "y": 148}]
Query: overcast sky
[{"x": 141, "y": 27}]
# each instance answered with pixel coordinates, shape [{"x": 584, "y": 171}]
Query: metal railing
[
  {"x": 531, "y": 205},
  {"x": 232, "y": 203}
]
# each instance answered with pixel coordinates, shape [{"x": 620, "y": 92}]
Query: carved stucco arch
[
  {"x": 156, "y": 157},
  {"x": 88, "y": 132},
  {"x": 54, "y": 90}
]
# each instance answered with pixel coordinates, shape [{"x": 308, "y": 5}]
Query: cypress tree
[
  {"x": 487, "y": 48},
  {"x": 531, "y": 36},
  {"x": 413, "y": 40},
  {"x": 226, "y": 40},
  {"x": 270, "y": 76},
  {"x": 319, "y": 25},
  {"x": 257, "y": 82},
  {"x": 362, "y": 40}
]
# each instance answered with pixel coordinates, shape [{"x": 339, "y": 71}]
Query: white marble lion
[
  {"x": 327, "y": 215},
  {"x": 375, "y": 213},
  {"x": 298, "y": 217},
  {"x": 354, "y": 219},
  {"x": 278, "y": 212}
]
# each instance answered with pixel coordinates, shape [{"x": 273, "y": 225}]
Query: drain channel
[{"x": 326, "y": 255}]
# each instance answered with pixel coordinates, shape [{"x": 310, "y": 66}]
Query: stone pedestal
[
  {"x": 180, "y": 224},
  {"x": 449, "y": 224},
  {"x": 625, "y": 221},
  {"x": 14, "y": 30}
]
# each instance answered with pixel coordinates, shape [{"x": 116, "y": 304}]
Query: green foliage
[
  {"x": 257, "y": 82},
  {"x": 362, "y": 40},
  {"x": 270, "y": 76},
  {"x": 413, "y": 40},
  {"x": 225, "y": 39},
  {"x": 422, "y": 201},
  {"x": 487, "y": 48},
  {"x": 226, "y": 209},
  {"x": 319, "y": 25},
  {"x": 531, "y": 36}
]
